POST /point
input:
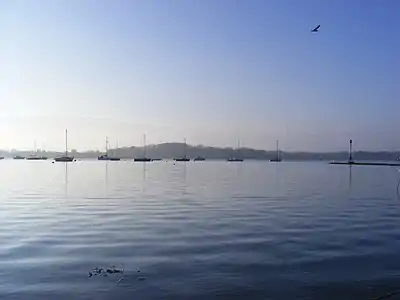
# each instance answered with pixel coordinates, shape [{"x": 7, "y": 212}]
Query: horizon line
[{"x": 196, "y": 146}]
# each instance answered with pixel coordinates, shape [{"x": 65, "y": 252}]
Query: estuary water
[{"x": 198, "y": 230}]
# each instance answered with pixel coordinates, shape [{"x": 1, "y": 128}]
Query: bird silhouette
[{"x": 316, "y": 28}]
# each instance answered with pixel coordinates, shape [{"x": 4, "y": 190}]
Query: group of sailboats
[
  {"x": 184, "y": 157},
  {"x": 144, "y": 158},
  {"x": 35, "y": 155},
  {"x": 238, "y": 157}
]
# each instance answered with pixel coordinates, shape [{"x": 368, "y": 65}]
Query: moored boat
[{"x": 65, "y": 158}]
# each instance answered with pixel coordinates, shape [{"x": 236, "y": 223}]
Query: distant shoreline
[{"x": 171, "y": 150}]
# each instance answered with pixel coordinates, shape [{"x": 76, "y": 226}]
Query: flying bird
[{"x": 316, "y": 28}]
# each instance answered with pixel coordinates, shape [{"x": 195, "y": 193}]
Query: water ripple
[{"x": 198, "y": 231}]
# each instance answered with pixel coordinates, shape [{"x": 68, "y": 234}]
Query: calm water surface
[{"x": 206, "y": 230}]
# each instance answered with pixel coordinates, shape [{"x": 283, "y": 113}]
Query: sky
[{"x": 211, "y": 71}]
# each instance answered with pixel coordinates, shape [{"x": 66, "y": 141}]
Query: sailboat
[
  {"x": 104, "y": 156},
  {"x": 18, "y": 157},
  {"x": 236, "y": 159},
  {"x": 144, "y": 158},
  {"x": 184, "y": 158},
  {"x": 199, "y": 158},
  {"x": 65, "y": 158},
  {"x": 278, "y": 157},
  {"x": 35, "y": 156}
]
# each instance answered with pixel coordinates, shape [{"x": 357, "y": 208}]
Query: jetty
[
  {"x": 392, "y": 164},
  {"x": 351, "y": 162}
]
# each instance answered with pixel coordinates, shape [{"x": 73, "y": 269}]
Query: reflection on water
[
  {"x": 178, "y": 176},
  {"x": 144, "y": 169},
  {"x": 181, "y": 171},
  {"x": 398, "y": 186},
  {"x": 106, "y": 178},
  {"x": 251, "y": 230},
  {"x": 350, "y": 178},
  {"x": 66, "y": 179},
  {"x": 184, "y": 178}
]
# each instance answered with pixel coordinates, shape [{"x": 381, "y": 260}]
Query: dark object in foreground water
[
  {"x": 104, "y": 272},
  {"x": 353, "y": 163}
]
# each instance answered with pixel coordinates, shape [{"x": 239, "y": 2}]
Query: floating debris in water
[
  {"x": 104, "y": 272},
  {"x": 113, "y": 272}
]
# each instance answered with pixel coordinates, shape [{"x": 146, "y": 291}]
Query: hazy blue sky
[{"x": 210, "y": 71}]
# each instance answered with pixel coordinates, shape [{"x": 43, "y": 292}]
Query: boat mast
[
  {"x": 106, "y": 145},
  {"x": 351, "y": 151},
  {"x": 185, "y": 148},
  {"x": 144, "y": 145},
  {"x": 66, "y": 142},
  {"x": 277, "y": 149},
  {"x": 238, "y": 149}
]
